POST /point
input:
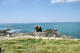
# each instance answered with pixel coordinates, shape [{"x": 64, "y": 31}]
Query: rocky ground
[{"x": 46, "y": 34}]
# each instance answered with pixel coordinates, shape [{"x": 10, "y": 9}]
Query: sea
[{"x": 66, "y": 28}]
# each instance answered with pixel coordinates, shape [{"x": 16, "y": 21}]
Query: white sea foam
[
  {"x": 17, "y": 30},
  {"x": 14, "y": 30}
]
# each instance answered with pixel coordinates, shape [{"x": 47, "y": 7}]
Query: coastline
[
  {"x": 68, "y": 28},
  {"x": 38, "y": 33},
  {"x": 37, "y": 36}
]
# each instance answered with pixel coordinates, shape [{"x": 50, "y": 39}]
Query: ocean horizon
[{"x": 66, "y": 28}]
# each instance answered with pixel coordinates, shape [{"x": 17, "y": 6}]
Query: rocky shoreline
[
  {"x": 46, "y": 34},
  {"x": 49, "y": 33}
]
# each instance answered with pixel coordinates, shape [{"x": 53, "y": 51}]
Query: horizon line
[{"x": 30, "y": 22}]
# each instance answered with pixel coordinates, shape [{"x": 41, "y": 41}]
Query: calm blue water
[{"x": 67, "y": 28}]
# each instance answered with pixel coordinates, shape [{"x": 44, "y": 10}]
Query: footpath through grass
[{"x": 40, "y": 46}]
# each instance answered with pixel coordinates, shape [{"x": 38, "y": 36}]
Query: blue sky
[{"x": 29, "y": 11}]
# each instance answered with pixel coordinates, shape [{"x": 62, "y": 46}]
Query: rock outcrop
[
  {"x": 38, "y": 28},
  {"x": 5, "y": 32},
  {"x": 52, "y": 33}
]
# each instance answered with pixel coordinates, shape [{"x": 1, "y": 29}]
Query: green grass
[{"x": 40, "y": 46}]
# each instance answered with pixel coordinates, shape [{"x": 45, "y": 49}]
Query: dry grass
[{"x": 40, "y": 46}]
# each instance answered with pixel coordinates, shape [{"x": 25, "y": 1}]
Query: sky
[{"x": 34, "y": 11}]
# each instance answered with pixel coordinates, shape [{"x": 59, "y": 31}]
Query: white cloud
[
  {"x": 72, "y": 0},
  {"x": 56, "y": 1},
  {"x": 61, "y": 1}
]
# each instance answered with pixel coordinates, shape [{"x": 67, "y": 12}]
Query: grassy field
[{"x": 40, "y": 46}]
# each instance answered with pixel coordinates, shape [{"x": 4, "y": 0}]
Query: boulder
[{"x": 38, "y": 28}]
